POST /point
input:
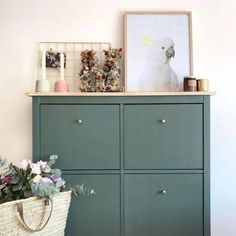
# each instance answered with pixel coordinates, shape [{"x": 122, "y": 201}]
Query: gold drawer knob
[
  {"x": 163, "y": 121},
  {"x": 79, "y": 121},
  {"x": 163, "y": 191}
]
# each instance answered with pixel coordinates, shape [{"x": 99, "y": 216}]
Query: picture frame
[{"x": 158, "y": 50}]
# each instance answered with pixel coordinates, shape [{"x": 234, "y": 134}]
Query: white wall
[{"x": 23, "y": 23}]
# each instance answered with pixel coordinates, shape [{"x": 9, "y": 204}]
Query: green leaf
[
  {"x": 15, "y": 180},
  {"x": 27, "y": 171},
  {"x": 18, "y": 171},
  {"x": 28, "y": 193},
  {"x": 52, "y": 160},
  {"x": 17, "y": 187},
  {"x": 3, "y": 161},
  {"x": 56, "y": 172}
]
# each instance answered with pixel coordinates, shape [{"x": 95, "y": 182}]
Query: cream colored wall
[{"x": 23, "y": 23}]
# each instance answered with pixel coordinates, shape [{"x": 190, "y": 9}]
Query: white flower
[
  {"x": 92, "y": 191},
  {"x": 40, "y": 179},
  {"x": 23, "y": 164},
  {"x": 47, "y": 169},
  {"x": 44, "y": 166},
  {"x": 35, "y": 168},
  {"x": 37, "y": 179}
]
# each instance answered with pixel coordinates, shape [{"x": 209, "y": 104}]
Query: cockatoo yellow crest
[{"x": 145, "y": 40}]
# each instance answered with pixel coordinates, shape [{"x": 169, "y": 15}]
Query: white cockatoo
[{"x": 157, "y": 74}]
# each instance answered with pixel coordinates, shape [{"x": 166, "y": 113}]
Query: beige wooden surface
[{"x": 107, "y": 94}]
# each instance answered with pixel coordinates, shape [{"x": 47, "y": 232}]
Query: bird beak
[{"x": 170, "y": 52}]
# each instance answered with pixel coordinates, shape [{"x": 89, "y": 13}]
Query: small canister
[
  {"x": 202, "y": 85},
  {"x": 190, "y": 84}
]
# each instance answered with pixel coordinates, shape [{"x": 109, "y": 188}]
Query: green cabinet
[
  {"x": 168, "y": 136},
  {"x": 146, "y": 157},
  {"x": 87, "y": 135},
  {"x": 98, "y": 214},
  {"x": 163, "y": 205}
]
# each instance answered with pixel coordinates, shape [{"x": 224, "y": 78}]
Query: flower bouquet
[
  {"x": 100, "y": 77},
  {"x": 34, "y": 199}
]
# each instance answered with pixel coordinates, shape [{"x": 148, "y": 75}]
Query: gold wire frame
[{"x": 73, "y": 64}]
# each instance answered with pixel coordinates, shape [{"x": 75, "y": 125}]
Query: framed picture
[{"x": 158, "y": 50}]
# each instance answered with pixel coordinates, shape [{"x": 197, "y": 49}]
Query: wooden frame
[{"x": 129, "y": 77}]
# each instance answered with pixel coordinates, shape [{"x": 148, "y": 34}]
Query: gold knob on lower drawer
[
  {"x": 79, "y": 121},
  {"x": 163, "y": 191},
  {"x": 163, "y": 121}
]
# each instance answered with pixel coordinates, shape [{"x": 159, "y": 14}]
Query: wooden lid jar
[{"x": 190, "y": 84}]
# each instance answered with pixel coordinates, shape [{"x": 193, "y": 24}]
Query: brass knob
[
  {"x": 163, "y": 121},
  {"x": 79, "y": 121},
  {"x": 163, "y": 191}
]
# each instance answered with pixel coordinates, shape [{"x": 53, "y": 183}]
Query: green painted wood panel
[
  {"x": 148, "y": 212},
  {"x": 151, "y": 144},
  {"x": 126, "y": 171},
  {"x": 92, "y": 144},
  {"x": 207, "y": 174},
  {"x": 97, "y": 214},
  {"x": 120, "y": 99}
]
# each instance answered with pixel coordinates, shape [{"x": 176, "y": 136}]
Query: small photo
[{"x": 53, "y": 59}]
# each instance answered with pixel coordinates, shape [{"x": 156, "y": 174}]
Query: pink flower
[
  {"x": 7, "y": 179},
  {"x": 59, "y": 182}
]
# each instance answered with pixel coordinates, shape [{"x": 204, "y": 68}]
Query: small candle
[
  {"x": 43, "y": 64},
  {"x": 202, "y": 85},
  {"x": 190, "y": 83},
  {"x": 62, "y": 65}
]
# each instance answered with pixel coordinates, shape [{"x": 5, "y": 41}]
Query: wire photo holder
[{"x": 72, "y": 61}]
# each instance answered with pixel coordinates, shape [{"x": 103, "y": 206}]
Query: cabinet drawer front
[
  {"x": 163, "y": 205},
  {"x": 97, "y": 214},
  {"x": 163, "y": 136},
  {"x": 84, "y": 136}
]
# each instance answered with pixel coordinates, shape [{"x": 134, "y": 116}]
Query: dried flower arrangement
[
  {"x": 91, "y": 75},
  {"x": 95, "y": 77},
  {"x": 33, "y": 179}
]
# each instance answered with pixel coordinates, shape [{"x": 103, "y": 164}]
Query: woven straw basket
[{"x": 34, "y": 216}]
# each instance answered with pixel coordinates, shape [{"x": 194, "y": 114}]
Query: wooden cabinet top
[{"x": 117, "y": 94}]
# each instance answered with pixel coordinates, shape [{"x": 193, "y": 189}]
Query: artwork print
[
  {"x": 53, "y": 59},
  {"x": 158, "y": 50}
]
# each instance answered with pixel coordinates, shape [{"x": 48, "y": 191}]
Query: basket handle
[{"x": 20, "y": 209}]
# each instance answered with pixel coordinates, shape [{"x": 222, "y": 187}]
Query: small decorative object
[
  {"x": 158, "y": 49},
  {"x": 95, "y": 77},
  {"x": 91, "y": 74},
  {"x": 111, "y": 70},
  {"x": 202, "y": 85},
  {"x": 43, "y": 85},
  {"x": 190, "y": 84},
  {"x": 61, "y": 85},
  {"x": 34, "y": 199},
  {"x": 53, "y": 59}
]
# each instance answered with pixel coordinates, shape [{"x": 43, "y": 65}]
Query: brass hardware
[
  {"x": 163, "y": 121},
  {"x": 190, "y": 83},
  {"x": 202, "y": 85},
  {"x": 163, "y": 191},
  {"x": 79, "y": 121}
]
